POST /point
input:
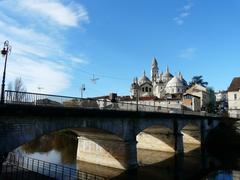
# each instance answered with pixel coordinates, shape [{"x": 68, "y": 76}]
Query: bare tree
[
  {"x": 19, "y": 86},
  {"x": 18, "y": 89}
]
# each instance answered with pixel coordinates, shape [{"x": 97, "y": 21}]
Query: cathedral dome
[
  {"x": 144, "y": 79},
  {"x": 175, "y": 85},
  {"x": 174, "y": 82}
]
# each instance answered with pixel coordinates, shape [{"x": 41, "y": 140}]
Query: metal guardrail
[
  {"x": 47, "y": 169},
  {"x": 37, "y": 99}
]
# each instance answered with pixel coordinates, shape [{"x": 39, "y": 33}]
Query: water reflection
[
  {"x": 59, "y": 148},
  {"x": 222, "y": 153},
  {"x": 224, "y": 175},
  {"x": 103, "y": 171}
]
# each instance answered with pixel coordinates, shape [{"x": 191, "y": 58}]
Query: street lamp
[
  {"x": 82, "y": 89},
  {"x": 5, "y": 51}
]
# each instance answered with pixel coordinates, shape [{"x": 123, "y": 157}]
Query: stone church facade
[{"x": 161, "y": 84}]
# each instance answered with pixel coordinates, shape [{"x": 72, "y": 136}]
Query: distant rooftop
[{"x": 235, "y": 84}]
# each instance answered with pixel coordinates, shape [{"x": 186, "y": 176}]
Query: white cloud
[
  {"x": 78, "y": 60},
  {"x": 51, "y": 76},
  {"x": 184, "y": 13},
  {"x": 188, "y": 53},
  {"x": 27, "y": 41},
  {"x": 40, "y": 58},
  {"x": 70, "y": 15},
  {"x": 178, "y": 20}
]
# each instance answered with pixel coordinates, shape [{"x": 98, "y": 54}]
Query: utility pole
[
  {"x": 5, "y": 51},
  {"x": 82, "y": 89}
]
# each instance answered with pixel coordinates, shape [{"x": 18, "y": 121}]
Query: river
[{"x": 220, "y": 159}]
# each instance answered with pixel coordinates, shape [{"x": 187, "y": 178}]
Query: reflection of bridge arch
[
  {"x": 155, "y": 144},
  {"x": 192, "y": 135},
  {"x": 156, "y": 138}
]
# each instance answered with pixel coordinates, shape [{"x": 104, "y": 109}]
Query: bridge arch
[
  {"x": 29, "y": 128},
  {"x": 143, "y": 124},
  {"x": 20, "y": 130},
  {"x": 101, "y": 147}
]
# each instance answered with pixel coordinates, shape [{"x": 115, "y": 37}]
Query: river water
[{"x": 220, "y": 159}]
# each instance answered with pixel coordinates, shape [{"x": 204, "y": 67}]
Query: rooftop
[{"x": 235, "y": 84}]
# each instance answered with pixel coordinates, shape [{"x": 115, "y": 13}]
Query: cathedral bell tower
[{"x": 154, "y": 71}]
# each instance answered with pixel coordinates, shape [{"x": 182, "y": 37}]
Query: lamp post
[
  {"x": 5, "y": 51},
  {"x": 82, "y": 89}
]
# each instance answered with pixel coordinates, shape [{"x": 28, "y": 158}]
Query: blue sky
[{"x": 59, "y": 44}]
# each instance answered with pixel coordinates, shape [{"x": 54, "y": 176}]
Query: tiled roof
[
  {"x": 196, "y": 88},
  {"x": 188, "y": 94},
  {"x": 235, "y": 84}
]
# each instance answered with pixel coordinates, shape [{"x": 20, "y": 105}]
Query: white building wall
[
  {"x": 234, "y": 103},
  {"x": 145, "y": 90}
]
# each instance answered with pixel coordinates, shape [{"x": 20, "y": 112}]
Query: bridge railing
[
  {"x": 27, "y": 164},
  {"x": 38, "y": 99}
]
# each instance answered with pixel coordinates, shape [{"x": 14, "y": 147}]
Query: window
[
  {"x": 150, "y": 89},
  {"x": 146, "y": 89},
  {"x": 142, "y": 89},
  {"x": 178, "y": 90},
  {"x": 235, "y": 96}
]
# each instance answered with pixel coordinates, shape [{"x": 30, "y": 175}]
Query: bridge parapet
[{"x": 39, "y": 99}]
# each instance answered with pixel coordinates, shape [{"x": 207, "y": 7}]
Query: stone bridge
[{"x": 106, "y": 137}]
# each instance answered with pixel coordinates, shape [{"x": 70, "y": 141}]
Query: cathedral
[{"x": 160, "y": 85}]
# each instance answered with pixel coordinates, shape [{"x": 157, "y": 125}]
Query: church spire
[
  {"x": 154, "y": 71},
  {"x": 180, "y": 75},
  {"x": 167, "y": 70},
  {"x": 154, "y": 62}
]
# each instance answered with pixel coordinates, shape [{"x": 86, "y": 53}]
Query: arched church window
[
  {"x": 146, "y": 89},
  {"x": 142, "y": 89},
  {"x": 150, "y": 89}
]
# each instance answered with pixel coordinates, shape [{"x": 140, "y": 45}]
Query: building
[
  {"x": 163, "y": 90},
  {"x": 160, "y": 85},
  {"x": 169, "y": 91},
  {"x": 234, "y": 98},
  {"x": 191, "y": 102},
  {"x": 221, "y": 101},
  {"x": 202, "y": 93}
]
